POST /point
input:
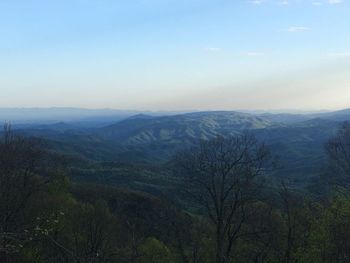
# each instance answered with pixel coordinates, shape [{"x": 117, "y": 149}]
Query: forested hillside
[
  {"x": 295, "y": 140},
  {"x": 213, "y": 202}
]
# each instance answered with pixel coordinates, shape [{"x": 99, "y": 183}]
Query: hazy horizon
[
  {"x": 81, "y": 111},
  {"x": 281, "y": 110}
]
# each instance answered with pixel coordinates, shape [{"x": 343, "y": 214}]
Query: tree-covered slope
[
  {"x": 182, "y": 128},
  {"x": 296, "y": 141}
]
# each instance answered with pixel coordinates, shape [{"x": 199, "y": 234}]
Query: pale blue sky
[{"x": 175, "y": 54}]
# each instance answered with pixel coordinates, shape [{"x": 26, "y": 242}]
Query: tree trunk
[{"x": 220, "y": 256}]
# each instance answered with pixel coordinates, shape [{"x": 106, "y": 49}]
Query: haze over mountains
[
  {"x": 92, "y": 116},
  {"x": 296, "y": 140},
  {"x": 82, "y": 116}
]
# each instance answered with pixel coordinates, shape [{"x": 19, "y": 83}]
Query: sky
[{"x": 175, "y": 54}]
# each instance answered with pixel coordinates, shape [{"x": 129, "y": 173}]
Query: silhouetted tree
[
  {"x": 222, "y": 174},
  {"x": 18, "y": 183}
]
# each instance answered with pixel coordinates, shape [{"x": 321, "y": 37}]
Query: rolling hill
[
  {"x": 182, "y": 128},
  {"x": 297, "y": 141}
]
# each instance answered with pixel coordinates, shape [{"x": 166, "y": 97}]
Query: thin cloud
[
  {"x": 257, "y": 2},
  {"x": 339, "y": 55},
  {"x": 296, "y": 29},
  {"x": 255, "y": 54},
  {"x": 335, "y": 2},
  {"x": 212, "y": 49}
]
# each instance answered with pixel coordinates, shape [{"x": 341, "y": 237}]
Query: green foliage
[
  {"x": 154, "y": 251},
  {"x": 50, "y": 214}
]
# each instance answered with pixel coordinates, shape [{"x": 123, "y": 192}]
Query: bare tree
[{"x": 221, "y": 175}]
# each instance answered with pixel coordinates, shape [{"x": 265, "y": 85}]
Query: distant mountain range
[
  {"x": 77, "y": 116},
  {"x": 68, "y": 114},
  {"x": 181, "y": 128},
  {"x": 144, "y": 129},
  {"x": 296, "y": 140}
]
